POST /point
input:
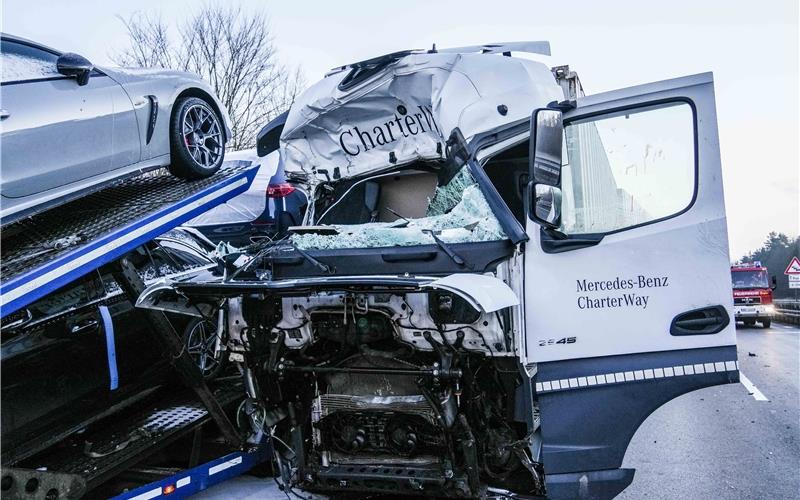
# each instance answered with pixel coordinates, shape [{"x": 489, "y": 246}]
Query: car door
[
  {"x": 628, "y": 302},
  {"x": 54, "y": 131}
]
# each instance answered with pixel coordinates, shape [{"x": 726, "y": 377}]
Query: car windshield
[{"x": 749, "y": 279}]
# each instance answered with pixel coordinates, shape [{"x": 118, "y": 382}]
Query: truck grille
[{"x": 746, "y": 301}]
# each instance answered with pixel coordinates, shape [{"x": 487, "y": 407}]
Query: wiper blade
[
  {"x": 445, "y": 247},
  {"x": 323, "y": 267},
  {"x": 262, "y": 249}
]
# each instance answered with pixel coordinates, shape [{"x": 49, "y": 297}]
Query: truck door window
[
  {"x": 508, "y": 172},
  {"x": 628, "y": 168}
]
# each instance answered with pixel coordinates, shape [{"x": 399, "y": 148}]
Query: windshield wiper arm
[
  {"x": 405, "y": 219},
  {"x": 323, "y": 267},
  {"x": 445, "y": 247}
]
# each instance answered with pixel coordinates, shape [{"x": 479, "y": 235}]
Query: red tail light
[
  {"x": 766, "y": 296},
  {"x": 279, "y": 190}
]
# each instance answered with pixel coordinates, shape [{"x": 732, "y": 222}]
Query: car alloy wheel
[
  {"x": 202, "y": 135},
  {"x": 200, "y": 344}
]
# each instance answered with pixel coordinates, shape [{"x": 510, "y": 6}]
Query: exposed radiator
[{"x": 330, "y": 403}]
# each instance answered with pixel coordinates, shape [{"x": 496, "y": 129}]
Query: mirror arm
[
  {"x": 555, "y": 233},
  {"x": 563, "y": 106},
  {"x": 83, "y": 78}
]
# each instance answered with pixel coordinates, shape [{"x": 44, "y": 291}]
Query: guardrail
[{"x": 787, "y": 310}]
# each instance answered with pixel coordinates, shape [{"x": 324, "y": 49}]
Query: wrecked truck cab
[{"x": 491, "y": 290}]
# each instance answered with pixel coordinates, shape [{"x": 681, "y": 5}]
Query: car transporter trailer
[{"x": 137, "y": 450}]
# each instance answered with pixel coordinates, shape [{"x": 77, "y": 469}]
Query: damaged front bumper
[{"x": 376, "y": 383}]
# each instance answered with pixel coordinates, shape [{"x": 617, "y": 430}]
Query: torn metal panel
[
  {"x": 485, "y": 293},
  {"x": 161, "y": 296},
  {"x": 540, "y": 47}
]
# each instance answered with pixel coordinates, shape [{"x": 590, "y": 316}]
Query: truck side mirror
[
  {"x": 547, "y": 133},
  {"x": 774, "y": 282}
]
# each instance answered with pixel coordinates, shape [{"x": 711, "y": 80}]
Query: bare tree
[{"x": 230, "y": 49}]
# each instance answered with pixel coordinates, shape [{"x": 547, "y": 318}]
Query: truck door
[{"x": 628, "y": 297}]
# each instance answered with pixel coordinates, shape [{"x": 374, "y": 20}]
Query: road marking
[{"x": 751, "y": 388}]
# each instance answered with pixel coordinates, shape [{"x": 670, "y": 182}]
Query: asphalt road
[
  {"x": 718, "y": 443},
  {"x": 722, "y": 442}
]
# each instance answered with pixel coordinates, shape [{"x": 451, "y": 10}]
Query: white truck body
[{"x": 623, "y": 306}]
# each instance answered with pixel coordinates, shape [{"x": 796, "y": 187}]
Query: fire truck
[{"x": 752, "y": 293}]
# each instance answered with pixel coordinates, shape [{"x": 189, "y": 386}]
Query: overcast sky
[{"x": 751, "y": 46}]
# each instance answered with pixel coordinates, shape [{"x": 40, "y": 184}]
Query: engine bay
[{"x": 385, "y": 390}]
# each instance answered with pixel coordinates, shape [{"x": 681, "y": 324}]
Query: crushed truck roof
[{"x": 402, "y": 107}]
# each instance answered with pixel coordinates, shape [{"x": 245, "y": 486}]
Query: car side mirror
[
  {"x": 70, "y": 64},
  {"x": 774, "y": 282},
  {"x": 547, "y": 132}
]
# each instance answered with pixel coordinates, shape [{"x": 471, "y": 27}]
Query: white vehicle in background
[
  {"x": 471, "y": 310},
  {"x": 70, "y": 128},
  {"x": 274, "y": 202}
]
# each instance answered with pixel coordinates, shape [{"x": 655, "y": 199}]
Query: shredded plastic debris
[
  {"x": 224, "y": 248},
  {"x": 469, "y": 218}
]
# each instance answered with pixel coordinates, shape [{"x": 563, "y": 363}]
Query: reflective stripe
[
  {"x": 224, "y": 465},
  {"x": 636, "y": 376},
  {"x": 147, "y": 495}
]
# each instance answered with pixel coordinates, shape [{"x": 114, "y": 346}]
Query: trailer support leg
[
  {"x": 197, "y": 443},
  {"x": 133, "y": 286}
]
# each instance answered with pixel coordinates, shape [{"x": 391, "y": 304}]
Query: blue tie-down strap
[{"x": 111, "y": 350}]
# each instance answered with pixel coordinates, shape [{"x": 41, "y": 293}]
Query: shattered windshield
[{"x": 456, "y": 212}]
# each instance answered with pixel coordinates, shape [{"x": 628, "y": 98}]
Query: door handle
[
  {"x": 703, "y": 321},
  {"x": 87, "y": 326},
  {"x": 4, "y": 114}
]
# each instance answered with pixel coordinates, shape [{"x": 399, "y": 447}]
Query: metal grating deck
[
  {"x": 48, "y": 250},
  {"x": 145, "y": 431}
]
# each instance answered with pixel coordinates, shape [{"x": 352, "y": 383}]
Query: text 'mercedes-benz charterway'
[{"x": 603, "y": 294}]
